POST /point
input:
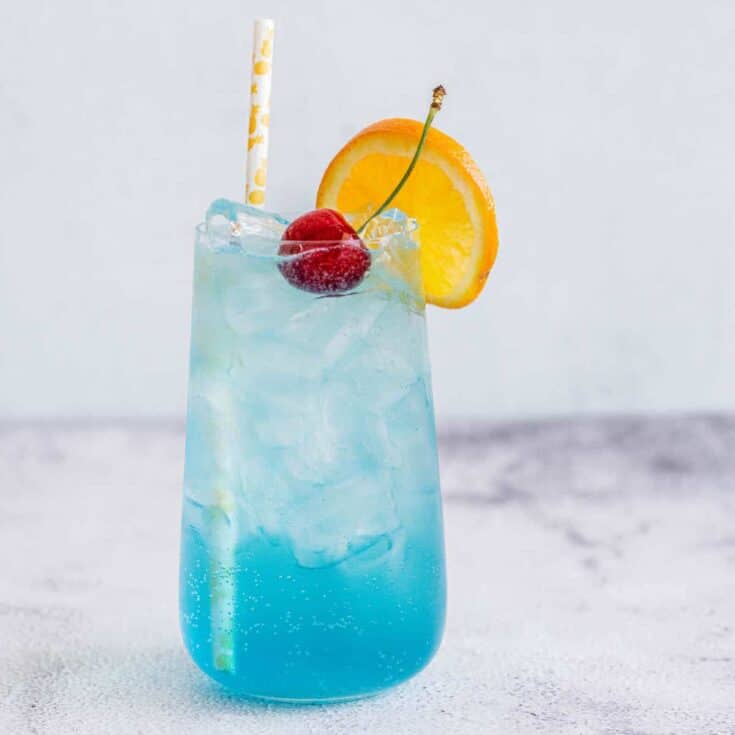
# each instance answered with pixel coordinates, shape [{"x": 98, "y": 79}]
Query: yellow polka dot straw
[
  {"x": 260, "y": 105},
  {"x": 222, "y": 515}
]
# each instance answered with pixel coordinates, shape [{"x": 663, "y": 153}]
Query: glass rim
[{"x": 374, "y": 245}]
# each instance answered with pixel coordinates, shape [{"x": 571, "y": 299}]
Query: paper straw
[
  {"x": 223, "y": 536},
  {"x": 260, "y": 106},
  {"x": 223, "y": 516}
]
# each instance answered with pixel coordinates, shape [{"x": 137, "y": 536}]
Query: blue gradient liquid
[{"x": 312, "y": 555}]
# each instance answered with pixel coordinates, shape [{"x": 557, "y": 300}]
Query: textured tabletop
[{"x": 591, "y": 587}]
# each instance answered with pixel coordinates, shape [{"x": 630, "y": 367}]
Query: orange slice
[{"x": 446, "y": 193}]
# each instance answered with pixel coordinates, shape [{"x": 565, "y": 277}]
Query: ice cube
[
  {"x": 351, "y": 333},
  {"x": 234, "y": 223},
  {"x": 248, "y": 305},
  {"x": 341, "y": 498},
  {"x": 264, "y": 495},
  {"x": 410, "y": 436},
  {"x": 336, "y": 522},
  {"x": 386, "y": 353},
  {"x": 318, "y": 455},
  {"x": 395, "y": 269},
  {"x": 284, "y": 418},
  {"x": 335, "y": 328},
  {"x": 381, "y": 230}
]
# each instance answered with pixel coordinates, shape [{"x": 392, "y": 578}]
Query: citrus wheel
[{"x": 446, "y": 193}]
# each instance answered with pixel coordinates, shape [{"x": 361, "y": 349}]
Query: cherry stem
[{"x": 437, "y": 98}]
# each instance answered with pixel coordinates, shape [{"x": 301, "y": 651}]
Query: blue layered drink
[{"x": 312, "y": 555}]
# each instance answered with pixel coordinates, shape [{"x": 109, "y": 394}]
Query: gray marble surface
[{"x": 591, "y": 571}]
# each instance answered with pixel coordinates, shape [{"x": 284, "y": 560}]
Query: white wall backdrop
[{"x": 606, "y": 131}]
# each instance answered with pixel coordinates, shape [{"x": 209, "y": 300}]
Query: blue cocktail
[{"x": 312, "y": 556}]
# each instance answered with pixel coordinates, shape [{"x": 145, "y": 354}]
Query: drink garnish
[
  {"x": 329, "y": 257},
  {"x": 446, "y": 193}
]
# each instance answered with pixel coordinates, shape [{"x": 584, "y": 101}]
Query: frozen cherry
[{"x": 328, "y": 255}]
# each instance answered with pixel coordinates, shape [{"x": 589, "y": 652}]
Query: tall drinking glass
[{"x": 312, "y": 563}]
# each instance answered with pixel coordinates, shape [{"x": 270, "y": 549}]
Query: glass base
[{"x": 294, "y": 702}]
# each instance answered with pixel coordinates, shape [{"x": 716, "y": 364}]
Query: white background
[{"x": 605, "y": 130}]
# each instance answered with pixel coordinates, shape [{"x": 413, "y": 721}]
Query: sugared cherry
[{"x": 330, "y": 257}]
